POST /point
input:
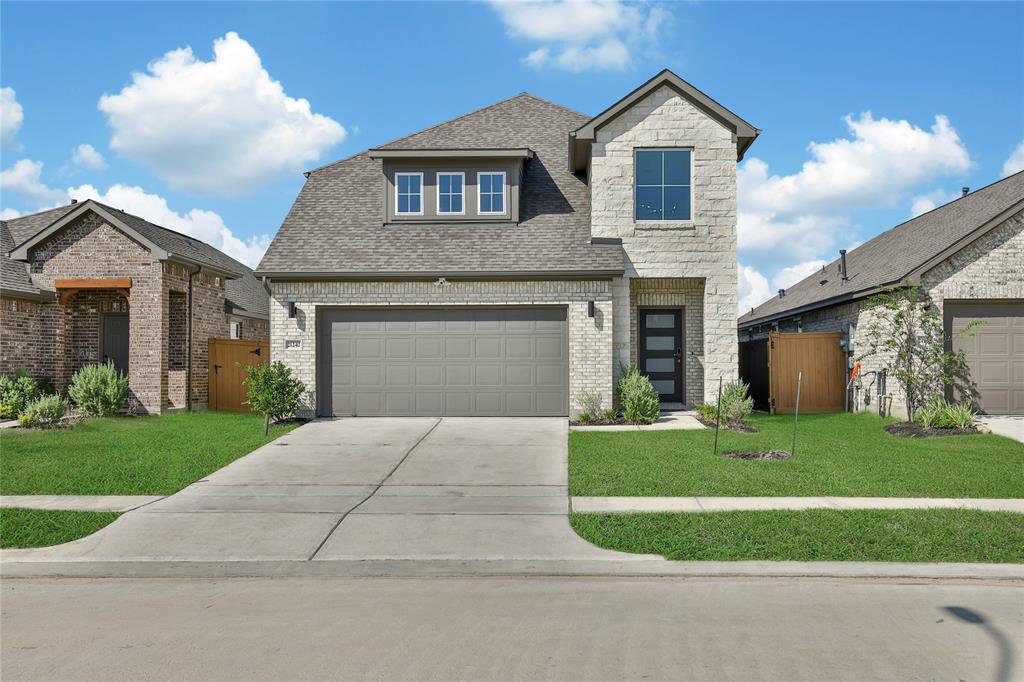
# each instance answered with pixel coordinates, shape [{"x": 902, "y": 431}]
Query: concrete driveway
[
  {"x": 1008, "y": 426},
  {"x": 365, "y": 489}
]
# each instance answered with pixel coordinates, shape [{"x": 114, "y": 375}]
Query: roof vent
[
  {"x": 782, "y": 293},
  {"x": 965, "y": 190},
  {"x": 74, "y": 201},
  {"x": 842, "y": 265}
]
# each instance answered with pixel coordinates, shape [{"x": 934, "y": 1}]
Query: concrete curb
[
  {"x": 517, "y": 567},
  {"x": 626, "y": 505},
  {"x": 89, "y": 503}
]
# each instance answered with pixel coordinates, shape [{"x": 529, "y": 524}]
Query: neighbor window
[
  {"x": 409, "y": 193},
  {"x": 662, "y": 189},
  {"x": 449, "y": 193},
  {"x": 236, "y": 330},
  {"x": 491, "y": 188}
]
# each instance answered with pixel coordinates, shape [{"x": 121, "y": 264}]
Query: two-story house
[{"x": 510, "y": 260}]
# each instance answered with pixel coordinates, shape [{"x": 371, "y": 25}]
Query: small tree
[
  {"x": 273, "y": 392},
  {"x": 907, "y": 332}
]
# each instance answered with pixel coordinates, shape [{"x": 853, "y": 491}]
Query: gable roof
[
  {"x": 587, "y": 133},
  {"x": 14, "y": 278},
  {"x": 902, "y": 252},
  {"x": 165, "y": 244},
  {"x": 335, "y": 227}
]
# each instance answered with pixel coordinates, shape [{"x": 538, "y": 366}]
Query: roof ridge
[{"x": 554, "y": 104}]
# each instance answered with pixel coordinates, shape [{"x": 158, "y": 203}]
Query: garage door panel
[
  {"x": 444, "y": 361},
  {"x": 994, "y": 350}
]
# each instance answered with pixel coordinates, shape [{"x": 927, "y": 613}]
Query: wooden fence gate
[
  {"x": 228, "y": 360},
  {"x": 820, "y": 356}
]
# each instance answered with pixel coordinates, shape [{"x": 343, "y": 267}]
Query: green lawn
[
  {"x": 836, "y": 454},
  {"x": 40, "y": 527},
  {"x": 127, "y": 455},
  {"x": 928, "y": 535}
]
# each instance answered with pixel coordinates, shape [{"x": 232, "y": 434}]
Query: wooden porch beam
[{"x": 111, "y": 283}]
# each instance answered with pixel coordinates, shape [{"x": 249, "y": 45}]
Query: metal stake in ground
[
  {"x": 718, "y": 414},
  {"x": 796, "y": 412}
]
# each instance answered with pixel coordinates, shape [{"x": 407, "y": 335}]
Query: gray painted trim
[
  {"x": 523, "y": 153},
  {"x": 42, "y": 296},
  {"x": 241, "y": 312},
  {"x": 582, "y": 136},
  {"x": 420, "y": 276},
  {"x": 614, "y": 241},
  {"x": 21, "y": 251}
]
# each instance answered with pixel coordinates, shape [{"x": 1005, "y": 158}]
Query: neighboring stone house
[
  {"x": 508, "y": 261},
  {"x": 88, "y": 283},
  {"x": 965, "y": 257}
]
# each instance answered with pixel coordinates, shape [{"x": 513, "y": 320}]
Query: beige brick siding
[
  {"x": 987, "y": 269},
  {"x": 703, "y": 248},
  {"x": 590, "y": 339}
]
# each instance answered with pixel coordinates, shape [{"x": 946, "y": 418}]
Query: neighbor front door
[
  {"x": 661, "y": 351},
  {"x": 114, "y": 342}
]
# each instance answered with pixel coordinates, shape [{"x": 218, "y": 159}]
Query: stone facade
[
  {"x": 702, "y": 249},
  {"x": 687, "y": 295},
  {"x": 293, "y": 341},
  {"x": 987, "y": 269},
  {"x": 54, "y": 340}
]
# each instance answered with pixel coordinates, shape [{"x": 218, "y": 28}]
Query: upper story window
[
  {"x": 663, "y": 188},
  {"x": 409, "y": 193},
  {"x": 491, "y": 190},
  {"x": 450, "y": 193}
]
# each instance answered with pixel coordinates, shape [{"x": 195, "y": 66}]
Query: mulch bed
[
  {"x": 744, "y": 427},
  {"x": 759, "y": 456},
  {"x": 912, "y": 430},
  {"x": 618, "y": 421}
]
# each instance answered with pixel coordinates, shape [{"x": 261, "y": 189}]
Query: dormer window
[
  {"x": 450, "y": 193},
  {"x": 663, "y": 187},
  {"x": 491, "y": 193},
  {"x": 409, "y": 193}
]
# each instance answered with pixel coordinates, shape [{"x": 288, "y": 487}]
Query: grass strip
[{"x": 44, "y": 527}]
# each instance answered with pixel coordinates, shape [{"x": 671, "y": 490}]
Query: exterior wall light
[
  {"x": 291, "y": 310},
  {"x": 590, "y": 308}
]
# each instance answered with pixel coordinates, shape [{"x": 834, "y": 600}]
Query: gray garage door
[
  {"x": 995, "y": 351},
  {"x": 438, "y": 361}
]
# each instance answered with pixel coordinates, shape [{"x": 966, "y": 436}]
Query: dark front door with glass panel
[{"x": 661, "y": 351}]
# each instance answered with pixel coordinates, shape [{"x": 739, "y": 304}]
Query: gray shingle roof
[
  {"x": 246, "y": 292},
  {"x": 14, "y": 279},
  {"x": 335, "y": 225},
  {"x": 896, "y": 253}
]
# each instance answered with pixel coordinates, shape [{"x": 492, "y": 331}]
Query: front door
[
  {"x": 661, "y": 351},
  {"x": 114, "y": 342}
]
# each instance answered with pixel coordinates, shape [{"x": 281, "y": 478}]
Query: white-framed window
[
  {"x": 408, "y": 193},
  {"x": 663, "y": 187},
  {"x": 451, "y": 193},
  {"x": 236, "y": 330},
  {"x": 490, "y": 193}
]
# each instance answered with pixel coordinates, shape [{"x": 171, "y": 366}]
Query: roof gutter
[{"x": 433, "y": 275}]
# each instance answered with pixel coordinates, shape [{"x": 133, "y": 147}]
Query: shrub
[
  {"x": 44, "y": 412},
  {"x": 936, "y": 413},
  {"x": 590, "y": 405},
  {"x": 17, "y": 392},
  {"x": 736, "y": 405},
  {"x": 707, "y": 412},
  {"x": 638, "y": 398},
  {"x": 99, "y": 390},
  {"x": 273, "y": 392},
  {"x": 610, "y": 415},
  {"x": 584, "y": 418}
]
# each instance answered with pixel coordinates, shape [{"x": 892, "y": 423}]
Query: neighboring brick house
[
  {"x": 88, "y": 283},
  {"x": 508, "y": 261},
  {"x": 965, "y": 257}
]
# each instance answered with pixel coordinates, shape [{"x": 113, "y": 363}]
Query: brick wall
[
  {"x": 704, "y": 247},
  {"x": 687, "y": 294},
  {"x": 590, "y": 339},
  {"x": 26, "y": 340},
  {"x": 253, "y": 328}
]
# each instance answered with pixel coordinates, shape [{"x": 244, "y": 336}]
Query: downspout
[{"x": 188, "y": 350}]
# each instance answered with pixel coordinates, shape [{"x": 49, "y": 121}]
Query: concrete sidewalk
[
  {"x": 621, "y": 505},
  {"x": 89, "y": 503}
]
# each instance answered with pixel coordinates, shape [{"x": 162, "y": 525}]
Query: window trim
[
  {"x": 662, "y": 221},
  {"x": 418, "y": 174},
  {"x": 235, "y": 325},
  {"x": 462, "y": 193},
  {"x": 480, "y": 194}
]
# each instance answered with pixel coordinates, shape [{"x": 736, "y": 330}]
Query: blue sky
[{"x": 870, "y": 111}]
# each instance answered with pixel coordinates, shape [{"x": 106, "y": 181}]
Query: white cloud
[
  {"x": 922, "y": 203},
  {"x": 9, "y": 214},
  {"x": 788, "y": 276},
  {"x": 1015, "y": 163},
  {"x": 206, "y": 226},
  {"x": 24, "y": 177},
  {"x": 580, "y": 35},
  {"x": 753, "y": 289},
  {"x": 11, "y": 115},
  {"x": 86, "y": 156},
  {"x": 221, "y": 126}
]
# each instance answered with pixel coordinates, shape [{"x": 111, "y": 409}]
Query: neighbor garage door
[
  {"x": 444, "y": 361},
  {"x": 995, "y": 351}
]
